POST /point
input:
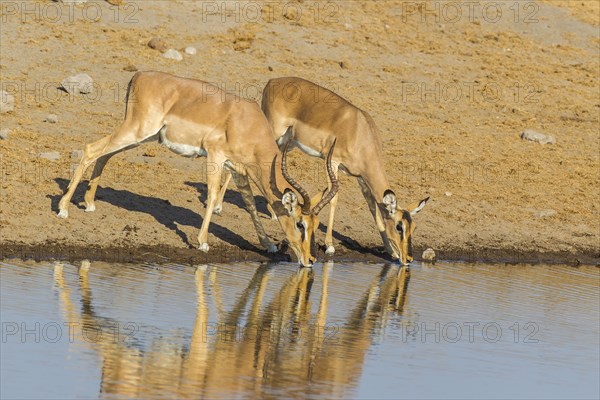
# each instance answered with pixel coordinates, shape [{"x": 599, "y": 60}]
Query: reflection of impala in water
[{"x": 255, "y": 349}]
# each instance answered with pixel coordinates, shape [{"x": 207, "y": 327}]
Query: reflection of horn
[
  {"x": 320, "y": 321},
  {"x": 402, "y": 287}
]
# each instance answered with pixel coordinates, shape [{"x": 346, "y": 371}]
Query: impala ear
[
  {"x": 415, "y": 208},
  {"x": 389, "y": 201},
  {"x": 289, "y": 201}
]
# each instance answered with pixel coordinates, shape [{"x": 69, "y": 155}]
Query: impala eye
[
  {"x": 300, "y": 226},
  {"x": 399, "y": 227}
]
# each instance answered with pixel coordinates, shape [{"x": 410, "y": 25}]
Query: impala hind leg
[
  {"x": 243, "y": 185},
  {"x": 330, "y": 250},
  {"x": 219, "y": 204},
  {"x": 125, "y": 137},
  {"x": 90, "y": 194},
  {"x": 91, "y": 153},
  {"x": 214, "y": 184}
]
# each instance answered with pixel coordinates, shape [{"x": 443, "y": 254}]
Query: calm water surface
[{"x": 337, "y": 331}]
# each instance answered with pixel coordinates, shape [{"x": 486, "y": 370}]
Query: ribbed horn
[
  {"x": 293, "y": 183},
  {"x": 334, "y": 183}
]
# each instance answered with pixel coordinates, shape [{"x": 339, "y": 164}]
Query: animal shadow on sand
[{"x": 162, "y": 210}]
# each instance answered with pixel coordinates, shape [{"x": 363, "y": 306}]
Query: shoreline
[{"x": 161, "y": 254}]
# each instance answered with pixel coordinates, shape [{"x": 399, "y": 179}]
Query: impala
[
  {"x": 194, "y": 118},
  {"x": 311, "y": 118}
]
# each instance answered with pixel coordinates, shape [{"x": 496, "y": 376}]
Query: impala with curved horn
[
  {"x": 194, "y": 118},
  {"x": 310, "y": 116}
]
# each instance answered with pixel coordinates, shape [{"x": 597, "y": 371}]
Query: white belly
[
  {"x": 287, "y": 136},
  {"x": 307, "y": 150},
  {"x": 182, "y": 149}
]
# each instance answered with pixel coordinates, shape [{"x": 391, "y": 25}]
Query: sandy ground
[{"x": 450, "y": 87}]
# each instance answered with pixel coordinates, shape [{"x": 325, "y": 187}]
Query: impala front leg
[
  {"x": 373, "y": 207},
  {"x": 214, "y": 184},
  {"x": 243, "y": 186}
]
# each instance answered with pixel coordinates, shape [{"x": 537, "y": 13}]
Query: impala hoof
[
  {"x": 330, "y": 250},
  {"x": 218, "y": 208},
  {"x": 63, "y": 214},
  {"x": 203, "y": 247},
  {"x": 90, "y": 208}
]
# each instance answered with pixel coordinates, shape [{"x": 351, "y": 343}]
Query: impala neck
[
  {"x": 271, "y": 180},
  {"x": 376, "y": 179}
]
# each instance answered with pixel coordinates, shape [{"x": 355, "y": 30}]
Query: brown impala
[
  {"x": 194, "y": 118},
  {"x": 312, "y": 118}
]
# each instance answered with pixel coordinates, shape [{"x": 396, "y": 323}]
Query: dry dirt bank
[{"x": 450, "y": 89}]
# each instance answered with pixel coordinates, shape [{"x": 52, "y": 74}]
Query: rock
[
  {"x": 130, "y": 68},
  {"x": 291, "y": 13},
  {"x": 50, "y": 155},
  {"x": 173, "y": 55},
  {"x": 344, "y": 64},
  {"x": 4, "y": 133},
  {"x": 544, "y": 213},
  {"x": 80, "y": 83},
  {"x": 149, "y": 152},
  {"x": 448, "y": 194},
  {"x": 158, "y": 43},
  {"x": 428, "y": 255},
  {"x": 270, "y": 68},
  {"x": 190, "y": 50},
  {"x": 52, "y": 118},
  {"x": 7, "y": 102},
  {"x": 76, "y": 154},
  {"x": 534, "y": 136}
]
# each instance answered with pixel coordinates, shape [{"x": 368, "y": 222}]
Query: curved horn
[
  {"x": 334, "y": 183},
  {"x": 293, "y": 183}
]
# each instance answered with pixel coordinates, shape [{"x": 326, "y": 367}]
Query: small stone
[
  {"x": 80, "y": 83},
  {"x": 52, "y": 118},
  {"x": 291, "y": 13},
  {"x": 4, "y": 133},
  {"x": 448, "y": 194},
  {"x": 428, "y": 255},
  {"x": 190, "y": 50},
  {"x": 50, "y": 155},
  {"x": 270, "y": 68},
  {"x": 173, "y": 55},
  {"x": 344, "y": 64},
  {"x": 130, "y": 68},
  {"x": 158, "y": 43},
  {"x": 534, "y": 136},
  {"x": 149, "y": 152},
  {"x": 7, "y": 102},
  {"x": 76, "y": 154},
  {"x": 544, "y": 213}
]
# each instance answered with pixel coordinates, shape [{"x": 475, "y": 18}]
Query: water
[{"x": 338, "y": 331}]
